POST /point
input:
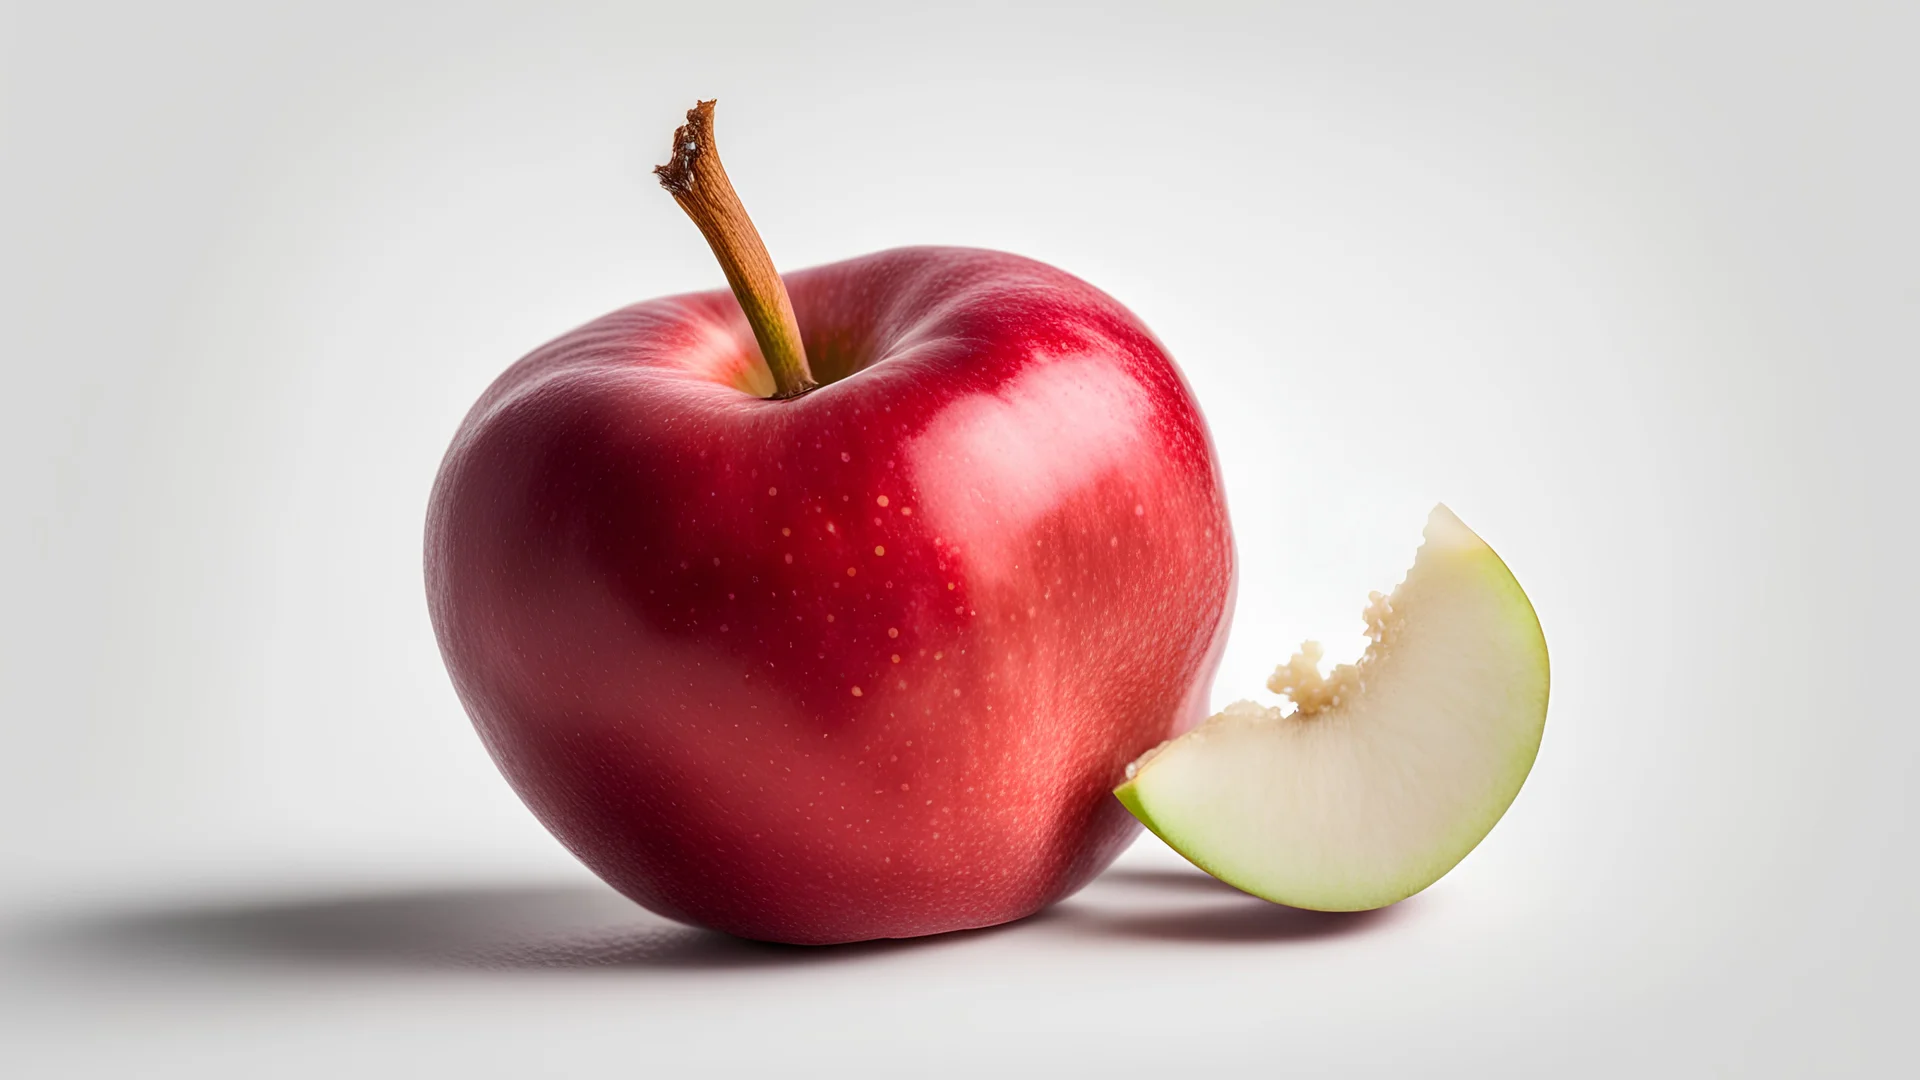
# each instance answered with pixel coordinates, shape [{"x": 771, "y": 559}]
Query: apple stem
[{"x": 698, "y": 182}]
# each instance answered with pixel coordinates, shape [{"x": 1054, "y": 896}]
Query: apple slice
[{"x": 1384, "y": 774}]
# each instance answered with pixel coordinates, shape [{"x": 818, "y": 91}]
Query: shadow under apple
[
  {"x": 511, "y": 927},
  {"x": 579, "y": 927}
]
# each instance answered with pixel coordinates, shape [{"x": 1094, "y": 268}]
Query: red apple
[{"x": 859, "y": 661}]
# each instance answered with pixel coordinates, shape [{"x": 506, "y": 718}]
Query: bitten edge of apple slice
[{"x": 1445, "y": 536}]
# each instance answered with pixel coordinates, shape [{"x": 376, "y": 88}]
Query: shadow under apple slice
[
  {"x": 1208, "y": 910},
  {"x": 1254, "y": 922},
  {"x": 1168, "y": 879}
]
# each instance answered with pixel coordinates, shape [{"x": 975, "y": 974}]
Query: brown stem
[{"x": 698, "y": 182}]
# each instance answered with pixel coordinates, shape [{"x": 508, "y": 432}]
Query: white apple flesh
[{"x": 1386, "y": 773}]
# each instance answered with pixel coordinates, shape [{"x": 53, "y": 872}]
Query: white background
[{"x": 1633, "y": 288}]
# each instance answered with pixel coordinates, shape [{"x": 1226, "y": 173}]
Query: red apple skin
[{"x": 864, "y": 663}]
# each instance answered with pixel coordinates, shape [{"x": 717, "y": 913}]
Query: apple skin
[{"x": 671, "y": 606}]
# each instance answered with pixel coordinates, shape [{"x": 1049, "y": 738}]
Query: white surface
[{"x": 1632, "y": 289}]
